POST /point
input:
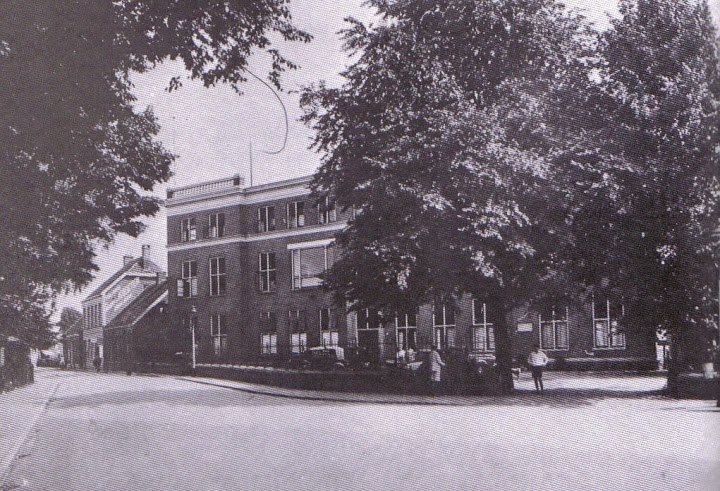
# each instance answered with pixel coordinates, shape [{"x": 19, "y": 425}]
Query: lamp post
[{"x": 193, "y": 321}]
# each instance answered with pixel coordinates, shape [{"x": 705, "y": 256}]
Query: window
[
  {"x": 606, "y": 315},
  {"x": 218, "y": 334},
  {"x": 187, "y": 285},
  {"x": 296, "y": 214},
  {"x": 554, "y": 329},
  {"x": 308, "y": 264},
  {"x": 268, "y": 333},
  {"x": 298, "y": 331},
  {"x": 327, "y": 211},
  {"x": 444, "y": 323},
  {"x": 328, "y": 329},
  {"x": 218, "y": 278},
  {"x": 188, "y": 229},
  {"x": 216, "y": 225},
  {"x": 483, "y": 332},
  {"x": 266, "y": 218},
  {"x": 267, "y": 272},
  {"x": 406, "y": 326}
]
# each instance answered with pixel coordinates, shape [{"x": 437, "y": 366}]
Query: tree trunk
[{"x": 503, "y": 354}]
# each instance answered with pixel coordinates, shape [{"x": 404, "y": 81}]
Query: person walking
[
  {"x": 436, "y": 365},
  {"x": 537, "y": 361}
]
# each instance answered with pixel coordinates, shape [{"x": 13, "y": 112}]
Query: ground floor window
[
  {"x": 218, "y": 334},
  {"x": 554, "y": 332},
  {"x": 483, "y": 331},
  {"x": 406, "y": 331},
  {"x": 328, "y": 329},
  {"x": 606, "y": 315},
  {"x": 268, "y": 330},
  {"x": 444, "y": 324},
  {"x": 298, "y": 331}
]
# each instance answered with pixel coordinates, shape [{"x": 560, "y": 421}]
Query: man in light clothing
[
  {"x": 537, "y": 361},
  {"x": 436, "y": 365}
]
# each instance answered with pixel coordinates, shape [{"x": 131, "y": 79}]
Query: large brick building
[{"x": 243, "y": 264}]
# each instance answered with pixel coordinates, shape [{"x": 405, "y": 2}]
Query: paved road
[{"x": 113, "y": 432}]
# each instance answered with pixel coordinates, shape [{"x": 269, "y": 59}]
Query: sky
[{"x": 212, "y": 130}]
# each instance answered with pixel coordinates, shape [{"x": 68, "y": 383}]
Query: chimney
[
  {"x": 127, "y": 259},
  {"x": 145, "y": 254},
  {"x": 160, "y": 276}
]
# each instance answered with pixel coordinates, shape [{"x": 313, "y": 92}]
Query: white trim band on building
[{"x": 237, "y": 239}]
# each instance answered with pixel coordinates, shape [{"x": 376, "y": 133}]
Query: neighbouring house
[
  {"x": 111, "y": 297},
  {"x": 73, "y": 345},
  {"x": 244, "y": 269},
  {"x": 139, "y": 332}
]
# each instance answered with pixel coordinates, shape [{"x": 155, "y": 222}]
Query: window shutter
[{"x": 180, "y": 288}]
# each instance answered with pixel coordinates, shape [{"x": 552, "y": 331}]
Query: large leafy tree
[
  {"x": 77, "y": 161},
  {"x": 645, "y": 228},
  {"x": 432, "y": 141}
]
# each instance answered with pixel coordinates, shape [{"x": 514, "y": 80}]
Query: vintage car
[{"x": 320, "y": 358}]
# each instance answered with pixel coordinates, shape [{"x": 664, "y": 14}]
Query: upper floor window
[
  {"x": 298, "y": 331},
  {"x": 266, "y": 218},
  {"x": 268, "y": 333},
  {"x": 188, "y": 229},
  {"x": 606, "y": 318},
  {"x": 216, "y": 225},
  {"x": 187, "y": 286},
  {"x": 218, "y": 277},
  {"x": 218, "y": 334},
  {"x": 308, "y": 264},
  {"x": 296, "y": 214},
  {"x": 554, "y": 332},
  {"x": 483, "y": 331},
  {"x": 327, "y": 210},
  {"x": 444, "y": 323},
  {"x": 267, "y": 272}
]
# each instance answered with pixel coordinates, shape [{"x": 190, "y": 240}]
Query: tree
[
  {"x": 77, "y": 161},
  {"x": 656, "y": 187},
  {"x": 429, "y": 141}
]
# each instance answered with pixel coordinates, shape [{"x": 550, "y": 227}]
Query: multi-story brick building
[{"x": 244, "y": 262}]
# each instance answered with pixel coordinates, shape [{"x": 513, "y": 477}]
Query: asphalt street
[{"x": 87, "y": 431}]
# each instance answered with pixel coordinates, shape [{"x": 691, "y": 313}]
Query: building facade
[
  {"x": 111, "y": 297},
  {"x": 244, "y": 266}
]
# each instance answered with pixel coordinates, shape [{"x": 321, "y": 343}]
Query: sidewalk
[
  {"x": 557, "y": 385},
  {"x": 19, "y": 411}
]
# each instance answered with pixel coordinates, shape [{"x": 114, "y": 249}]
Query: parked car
[{"x": 320, "y": 358}]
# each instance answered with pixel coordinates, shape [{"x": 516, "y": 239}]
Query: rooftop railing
[{"x": 206, "y": 187}]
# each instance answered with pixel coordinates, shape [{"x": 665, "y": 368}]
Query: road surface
[{"x": 114, "y": 432}]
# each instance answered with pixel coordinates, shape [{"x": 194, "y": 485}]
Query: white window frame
[
  {"x": 328, "y": 330},
  {"x": 268, "y": 335},
  {"x": 555, "y": 324},
  {"x": 608, "y": 328},
  {"x": 218, "y": 334},
  {"x": 188, "y": 229},
  {"x": 187, "y": 286},
  {"x": 482, "y": 330},
  {"x": 296, "y": 255},
  {"x": 403, "y": 328},
  {"x": 444, "y": 333},
  {"x": 267, "y": 281},
  {"x": 266, "y": 222},
  {"x": 216, "y": 229},
  {"x": 327, "y": 211},
  {"x": 219, "y": 278},
  {"x": 297, "y": 325},
  {"x": 295, "y": 217}
]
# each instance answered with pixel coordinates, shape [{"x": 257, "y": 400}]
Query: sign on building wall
[{"x": 524, "y": 327}]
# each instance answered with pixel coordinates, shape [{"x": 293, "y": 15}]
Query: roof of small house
[
  {"x": 140, "y": 306},
  {"x": 137, "y": 265}
]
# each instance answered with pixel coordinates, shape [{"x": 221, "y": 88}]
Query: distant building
[
  {"x": 73, "y": 345},
  {"x": 110, "y": 298},
  {"x": 136, "y": 333},
  {"x": 244, "y": 266}
]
